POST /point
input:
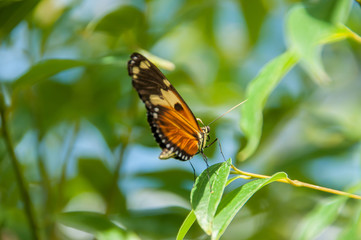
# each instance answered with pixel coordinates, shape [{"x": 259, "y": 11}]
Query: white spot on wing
[
  {"x": 136, "y": 70},
  {"x": 166, "y": 82},
  {"x": 144, "y": 65}
]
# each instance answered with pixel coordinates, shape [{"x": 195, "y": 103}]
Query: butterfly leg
[
  {"x": 194, "y": 171},
  {"x": 209, "y": 178},
  {"x": 220, "y": 147}
]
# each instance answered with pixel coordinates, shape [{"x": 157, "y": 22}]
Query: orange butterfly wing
[{"x": 172, "y": 122}]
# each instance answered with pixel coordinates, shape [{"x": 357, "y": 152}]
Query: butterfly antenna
[{"x": 228, "y": 111}]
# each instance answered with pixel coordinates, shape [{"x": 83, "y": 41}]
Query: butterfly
[{"x": 173, "y": 124}]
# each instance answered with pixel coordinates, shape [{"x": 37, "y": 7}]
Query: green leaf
[
  {"x": 186, "y": 225},
  {"x": 191, "y": 217},
  {"x": 322, "y": 216},
  {"x": 254, "y": 13},
  {"x": 12, "y": 13},
  {"x": 45, "y": 69},
  {"x": 306, "y": 35},
  {"x": 97, "y": 174},
  {"x": 102, "y": 180},
  {"x": 204, "y": 202},
  {"x": 170, "y": 180},
  {"x": 123, "y": 18},
  {"x": 94, "y": 223},
  {"x": 126, "y": 20},
  {"x": 257, "y": 93},
  {"x": 341, "y": 11},
  {"x": 352, "y": 230},
  {"x": 234, "y": 201}
]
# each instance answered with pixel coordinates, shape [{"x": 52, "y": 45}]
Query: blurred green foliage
[{"x": 85, "y": 150}]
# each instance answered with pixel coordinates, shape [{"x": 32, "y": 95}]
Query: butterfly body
[{"x": 173, "y": 124}]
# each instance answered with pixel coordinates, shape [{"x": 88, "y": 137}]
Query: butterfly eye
[{"x": 208, "y": 129}]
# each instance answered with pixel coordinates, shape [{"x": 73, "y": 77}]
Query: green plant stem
[
  {"x": 65, "y": 164},
  {"x": 18, "y": 173},
  {"x": 296, "y": 183},
  {"x": 353, "y": 35},
  {"x": 114, "y": 184}
]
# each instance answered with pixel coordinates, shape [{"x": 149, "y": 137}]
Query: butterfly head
[
  {"x": 205, "y": 137},
  {"x": 206, "y": 129}
]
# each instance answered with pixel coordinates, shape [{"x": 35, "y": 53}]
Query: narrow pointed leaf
[
  {"x": 307, "y": 35},
  {"x": 191, "y": 218},
  {"x": 257, "y": 93},
  {"x": 94, "y": 223},
  {"x": 45, "y": 69},
  {"x": 186, "y": 225},
  {"x": 204, "y": 202},
  {"x": 352, "y": 230},
  {"x": 319, "y": 218},
  {"x": 234, "y": 201},
  {"x": 341, "y": 11}
]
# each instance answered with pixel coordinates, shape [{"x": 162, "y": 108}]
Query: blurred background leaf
[{"x": 80, "y": 131}]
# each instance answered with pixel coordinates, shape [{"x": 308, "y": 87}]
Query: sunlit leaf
[
  {"x": 94, "y": 223},
  {"x": 45, "y": 69},
  {"x": 306, "y": 36},
  {"x": 186, "y": 225},
  {"x": 191, "y": 217},
  {"x": 352, "y": 231},
  {"x": 341, "y": 11},
  {"x": 257, "y": 93},
  {"x": 207, "y": 192},
  {"x": 319, "y": 218},
  {"x": 64, "y": 87},
  {"x": 234, "y": 201}
]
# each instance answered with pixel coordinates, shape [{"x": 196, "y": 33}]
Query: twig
[
  {"x": 18, "y": 173},
  {"x": 297, "y": 183},
  {"x": 67, "y": 156},
  {"x": 114, "y": 183}
]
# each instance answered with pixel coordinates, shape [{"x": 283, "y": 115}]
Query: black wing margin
[{"x": 146, "y": 77}]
